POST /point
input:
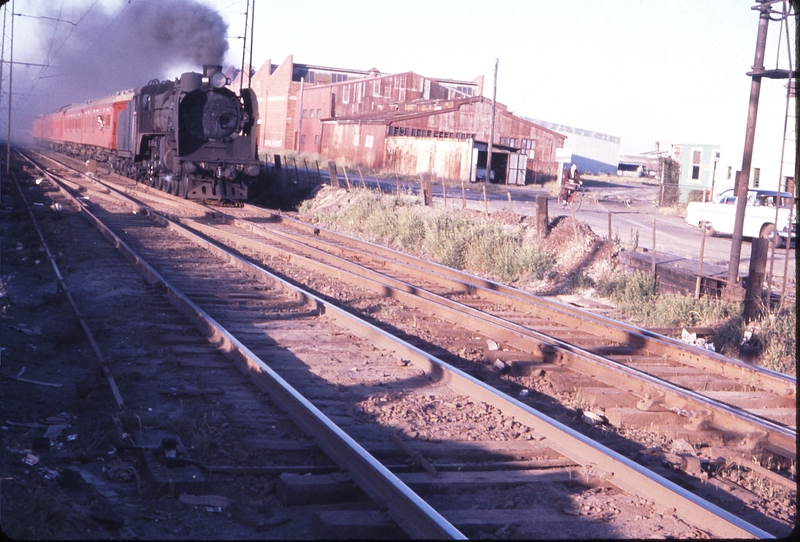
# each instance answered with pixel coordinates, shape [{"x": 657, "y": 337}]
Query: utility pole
[
  {"x": 10, "y": 79},
  {"x": 491, "y": 128},
  {"x": 300, "y": 116},
  {"x": 743, "y": 178},
  {"x": 249, "y": 19},
  {"x": 3, "y": 58}
]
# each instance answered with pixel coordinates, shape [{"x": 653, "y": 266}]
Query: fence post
[
  {"x": 654, "y": 250},
  {"x": 541, "y": 215},
  {"x": 759, "y": 249},
  {"x": 574, "y": 221},
  {"x": 333, "y": 174},
  {"x": 425, "y": 189},
  {"x": 296, "y": 173},
  {"x": 363, "y": 184},
  {"x": 347, "y": 179},
  {"x": 700, "y": 266}
]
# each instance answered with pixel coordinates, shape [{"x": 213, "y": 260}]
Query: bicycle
[{"x": 574, "y": 198}]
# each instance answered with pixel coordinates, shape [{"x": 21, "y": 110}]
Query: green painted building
[{"x": 699, "y": 170}]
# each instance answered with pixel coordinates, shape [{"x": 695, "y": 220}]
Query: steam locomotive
[{"x": 192, "y": 137}]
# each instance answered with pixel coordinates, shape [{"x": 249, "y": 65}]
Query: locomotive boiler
[{"x": 192, "y": 137}]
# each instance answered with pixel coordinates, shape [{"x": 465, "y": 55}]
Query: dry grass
[{"x": 502, "y": 247}]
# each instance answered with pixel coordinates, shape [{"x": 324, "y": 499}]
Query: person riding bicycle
[{"x": 571, "y": 183}]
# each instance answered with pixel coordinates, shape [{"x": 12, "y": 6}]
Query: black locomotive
[{"x": 192, "y": 137}]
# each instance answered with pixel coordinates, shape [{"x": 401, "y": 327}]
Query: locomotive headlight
[{"x": 218, "y": 80}]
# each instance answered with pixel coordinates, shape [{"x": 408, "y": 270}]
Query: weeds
[
  {"x": 443, "y": 236},
  {"x": 635, "y": 296},
  {"x": 634, "y": 293},
  {"x": 775, "y": 338},
  {"x": 499, "y": 252}
]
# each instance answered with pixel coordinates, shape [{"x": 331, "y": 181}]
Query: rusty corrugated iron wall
[{"x": 400, "y": 122}]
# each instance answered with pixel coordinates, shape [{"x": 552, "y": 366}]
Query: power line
[{"x": 43, "y": 17}]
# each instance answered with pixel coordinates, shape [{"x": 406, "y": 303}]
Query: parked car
[{"x": 759, "y": 217}]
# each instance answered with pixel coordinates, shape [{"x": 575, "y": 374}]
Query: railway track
[{"x": 268, "y": 323}]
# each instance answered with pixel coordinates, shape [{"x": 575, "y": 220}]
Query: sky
[{"x": 671, "y": 71}]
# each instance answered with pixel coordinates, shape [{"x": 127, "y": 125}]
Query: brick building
[{"x": 405, "y": 123}]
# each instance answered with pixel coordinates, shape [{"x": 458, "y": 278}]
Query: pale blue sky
[{"x": 669, "y": 70}]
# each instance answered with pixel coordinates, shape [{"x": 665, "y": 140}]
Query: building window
[
  {"x": 697, "y": 157},
  {"x": 302, "y": 139},
  {"x": 305, "y": 113},
  {"x": 316, "y": 140},
  {"x": 311, "y": 113},
  {"x": 730, "y": 172},
  {"x": 756, "y": 177},
  {"x": 319, "y": 113},
  {"x": 346, "y": 94},
  {"x": 376, "y": 87},
  {"x": 355, "y": 139},
  {"x": 368, "y": 141}
]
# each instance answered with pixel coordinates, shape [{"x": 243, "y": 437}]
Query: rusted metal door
[{"x": 516, "y": 169}]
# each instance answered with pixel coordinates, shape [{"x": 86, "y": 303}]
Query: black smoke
[{"x": 110, "y": 51}]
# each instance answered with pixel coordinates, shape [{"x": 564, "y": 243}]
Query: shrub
[
  {"x": 634, "y": 293},
  {"x": 776, "y": 337}
]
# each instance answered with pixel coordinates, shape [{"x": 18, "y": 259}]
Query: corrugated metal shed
[{"x": 450, "y": 136}]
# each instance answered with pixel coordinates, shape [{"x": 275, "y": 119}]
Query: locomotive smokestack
[{"x": 211, "y": 69}]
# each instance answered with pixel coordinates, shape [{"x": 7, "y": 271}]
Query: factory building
[
  {"x": 404, "y": 123},
  {"x": 592, "y": 152}
]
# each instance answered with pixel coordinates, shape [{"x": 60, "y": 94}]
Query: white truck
[{"x": 759, "y": 216}]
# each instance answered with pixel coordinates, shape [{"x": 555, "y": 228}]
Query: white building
[
  {"x": 769, "y": 146},
  {"x": 592, "y": 152}
]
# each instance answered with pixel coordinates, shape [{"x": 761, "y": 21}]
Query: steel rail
[
  {"x": 102, "y": 363},
  {"x": 618, "y": 470},
  {"x": 625, "y": 474},
  {"x": 725, "y": 417},
  {"x": 621, "y": 332},
  {"x": 415, "y": 516}
]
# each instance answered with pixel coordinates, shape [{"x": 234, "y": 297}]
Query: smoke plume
[{"x": 106, "y": 52}]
